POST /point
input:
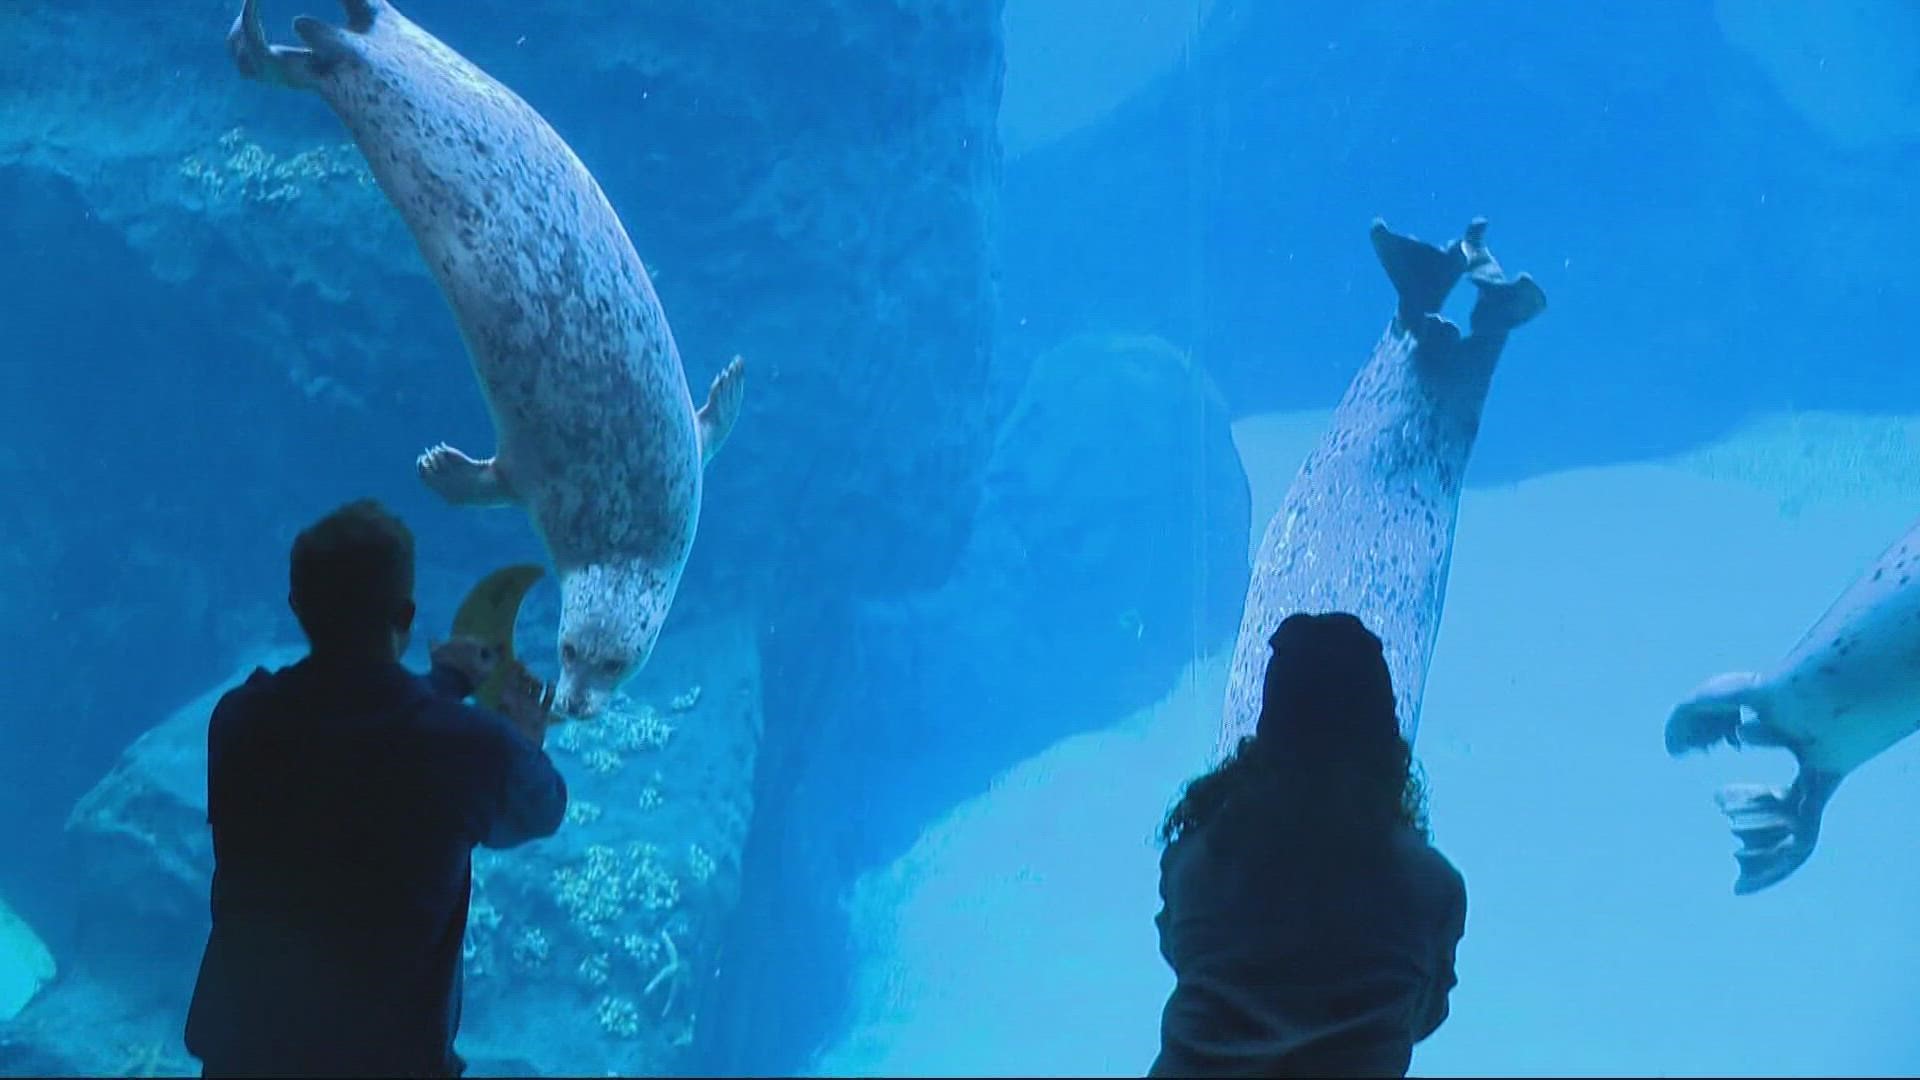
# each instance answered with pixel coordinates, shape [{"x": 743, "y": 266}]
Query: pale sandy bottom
[{"x": 1603, "y": 937}]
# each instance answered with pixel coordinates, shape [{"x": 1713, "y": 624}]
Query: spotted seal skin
[
  {"x": 1845, "y": 694},
  {"x": 597, "y": 436},
  {"x": 1367, "y": 526}
]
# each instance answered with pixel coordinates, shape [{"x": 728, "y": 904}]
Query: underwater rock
[
  {"x": 1069, "y": 62},
  {"x": 1847, "y": 68},
  {"x": 88, "y": 1026},
  {"x": 141, "y": 835},
  {"x": 594, "y": 952},
  {"x": 1111, "y": 546},
  {"x": 25, "y": 963},
  {"x": 586, "y": 953}
]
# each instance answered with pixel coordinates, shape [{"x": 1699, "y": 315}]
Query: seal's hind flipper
[
  {"x": 1777, "y": 829},
  {"x": 716, "y": 417},
  {"x": 362, "y": 13},
  {"x": 1422, "y": 275},
  {"x": 1504, "y": 305},
  {"x": 1504, "y": 302},
  {"x": 277, "y": 65}
]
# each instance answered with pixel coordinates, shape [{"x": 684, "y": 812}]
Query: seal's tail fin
[
  {"x": 1777, "y": 827},
  {"x": 362, "y": 13},
  {"x": 1422, "y": 275},
  {"x": 1504, "y": 304},
  {"x": 336, "y": 45},
  {"x": 278, "y": 65}
]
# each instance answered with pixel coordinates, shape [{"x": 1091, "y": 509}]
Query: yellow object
[
  {"x": 487, "y": 615},
  {"x": 25, "y": 963}
]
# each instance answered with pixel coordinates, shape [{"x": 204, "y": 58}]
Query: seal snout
[{"x": 577, "y": 702}]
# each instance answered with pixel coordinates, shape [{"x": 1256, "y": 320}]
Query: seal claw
[{"x": 461, "y": 480}]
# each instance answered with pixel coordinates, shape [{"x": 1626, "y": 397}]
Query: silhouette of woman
[{"x": 1309, "y": 922}]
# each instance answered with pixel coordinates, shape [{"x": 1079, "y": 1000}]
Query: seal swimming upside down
[
  {"x": 1367, "y": 526},
  {"x": 1848, "y": 691},
  {"x": 597, "y": 437}
]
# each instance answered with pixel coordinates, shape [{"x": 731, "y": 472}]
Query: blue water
[{"x": 1018, "y": 291}]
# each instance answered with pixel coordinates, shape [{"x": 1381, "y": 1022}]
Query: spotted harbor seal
[
  {"x": 1367, "y": 526},
  {"x": 1845, "y": 693},
  {"x": 597, "y": 437}
]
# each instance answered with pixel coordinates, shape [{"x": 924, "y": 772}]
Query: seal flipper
[
  {"x": 461, "y": 480},
  {"x": 1422, "y": 275},
  {"x": 716, "y": 417},
  {"x": 1505, "y": 304},
  {"x": 1777, "y": 829},
  {"x": 1714, "y": 713},
  {"x": 277, "y": 65}
]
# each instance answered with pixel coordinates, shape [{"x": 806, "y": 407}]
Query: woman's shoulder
[{"x": 1435, "y": 871}]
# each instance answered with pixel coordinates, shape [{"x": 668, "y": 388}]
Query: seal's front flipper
[
  {"x": 1422, "y": 274},
  {"x": 1504, "y": 304},
  {"x": 277, "y": 65},
  {"x": 461, "y": 480},
  {"x": 1777, "y": 829},
  {"x": 1713, "y": 713},
  {"x": 724, "y": 398}
]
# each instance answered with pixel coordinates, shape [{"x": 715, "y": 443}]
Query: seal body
[
  {"x": 598, "y": 438},
  {"x": 1367, "y": 526},
  {"x": 1848, "y": 691}
]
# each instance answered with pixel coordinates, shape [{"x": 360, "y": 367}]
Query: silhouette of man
[
  {"x": 346, "y": 795},
  {"x": 1310, "y": 924}
]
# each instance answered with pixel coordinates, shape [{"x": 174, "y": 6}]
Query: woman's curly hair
[{"x": 1327, "y": 754}]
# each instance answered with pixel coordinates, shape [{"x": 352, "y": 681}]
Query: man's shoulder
[{"x": 250, "y": 693}]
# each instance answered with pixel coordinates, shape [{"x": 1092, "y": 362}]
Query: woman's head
[
  {"x": 1328, "y": 690},
  {"x": 1327, "y": 740}
]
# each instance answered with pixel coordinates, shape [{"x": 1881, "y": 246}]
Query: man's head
[{"x": 352, "y": 581}]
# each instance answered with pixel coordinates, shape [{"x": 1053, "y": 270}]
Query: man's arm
[
  {"x": 532, "y": 796},
  {"x": 459, "y": 666},
  {"x": 513, "y": 792},
  {"x": 450, "y": 682}
]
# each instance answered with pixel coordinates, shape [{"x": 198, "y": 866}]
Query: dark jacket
[
  {"x": 1295, "y": 962},
  {"x": 345, "y": 803}
]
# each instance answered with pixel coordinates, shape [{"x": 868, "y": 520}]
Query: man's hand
[
  {"x": 527, "y": 703},
  {"x": 473, "y": 659}
]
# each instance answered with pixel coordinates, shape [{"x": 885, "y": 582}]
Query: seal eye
[
  {"x": 568, "y": 653},
  {"x": 611, "y": 666}
]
